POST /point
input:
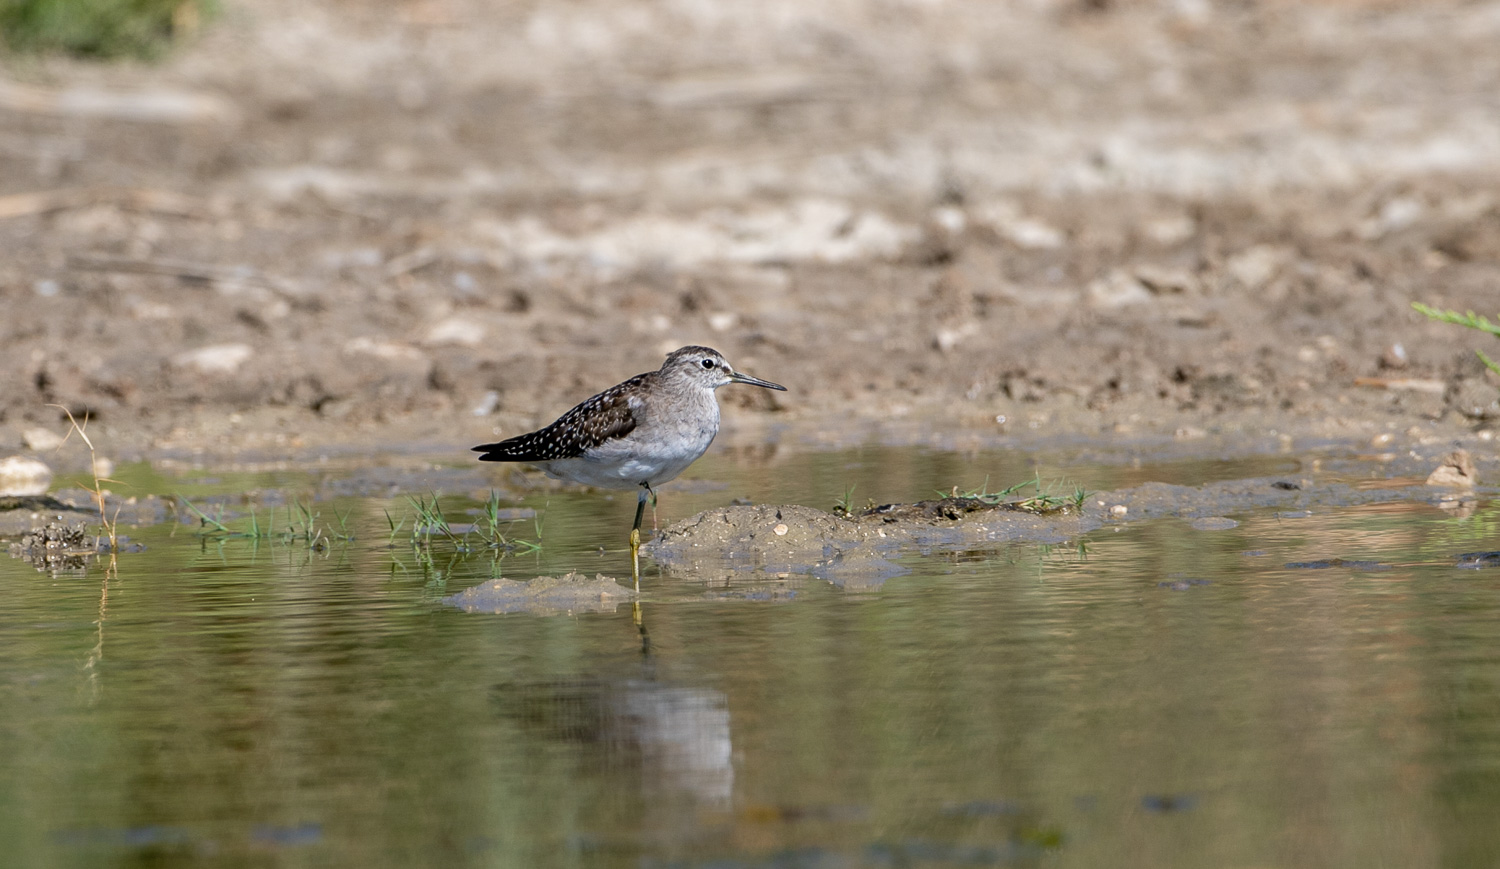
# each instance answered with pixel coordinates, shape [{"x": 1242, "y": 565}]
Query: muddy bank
[
  {"x": 859, "y": 550},
  {"x": 945, "y": 223}
]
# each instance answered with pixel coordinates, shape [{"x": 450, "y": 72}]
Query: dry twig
[{"x": 98, "y": 490}]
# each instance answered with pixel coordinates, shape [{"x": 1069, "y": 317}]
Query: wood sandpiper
[{"x": 637, "y": 434}]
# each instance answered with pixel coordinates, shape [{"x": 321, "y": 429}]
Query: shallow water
[{"x": 1150, "y": 695}]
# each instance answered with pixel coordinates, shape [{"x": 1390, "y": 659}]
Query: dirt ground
[{"x": 396, "y": 225}]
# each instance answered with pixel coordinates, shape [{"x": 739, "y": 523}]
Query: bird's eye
[{"x": 708, "y": 363}]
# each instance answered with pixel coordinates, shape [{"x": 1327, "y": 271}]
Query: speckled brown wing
[{"x": 602, "y": 418}]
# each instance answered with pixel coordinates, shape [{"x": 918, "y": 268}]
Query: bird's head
[{"x": 708, "y": 368}]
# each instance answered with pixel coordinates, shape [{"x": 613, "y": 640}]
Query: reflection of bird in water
[
  {"x": 677, "y": 736},
  {"x": 635, "y": 435}
]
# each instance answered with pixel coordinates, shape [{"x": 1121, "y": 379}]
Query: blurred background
[{"x": 249, "y": 224}]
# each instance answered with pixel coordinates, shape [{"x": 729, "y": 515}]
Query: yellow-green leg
[
  {"x": 635, "y": 557},
  {"x": 635, "y": 539}
]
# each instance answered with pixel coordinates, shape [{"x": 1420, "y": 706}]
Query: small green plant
[
  {"x": 845, "y": 505},
  {"x": 213, "y": 526},
  {"x": 1467, "y": 319},
  {"x": 493, "y": 535},
  {"x": 430, "y": 521},
  {"x": 1047, "y": 501},
  {"x": 100, "y": 28},
  {"x": 984, "y": 494},
  {"x": 395, "y": 527}
]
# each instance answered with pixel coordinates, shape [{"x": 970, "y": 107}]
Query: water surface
[{"x": 1150, "y": 695}]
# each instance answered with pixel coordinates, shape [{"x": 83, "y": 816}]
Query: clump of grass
[
  {"x": 101, "y": 29},
  {"x": 1046, "y": 500},
  {"x": 430, "y": 524},
  {"x": 1469, "y": 320},
  {"x": 301, "y": 525}
]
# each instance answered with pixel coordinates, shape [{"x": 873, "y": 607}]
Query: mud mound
[
  {"x": 545, "y": 595},
  {"x": 859, "y": 551},
  {"x": 779, "y": 540},
  {"x": 760, "y": 531},
  {"x": 851, "y": 553}
]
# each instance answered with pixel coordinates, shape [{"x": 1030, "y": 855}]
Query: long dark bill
[{"x": 737, "y": 377}]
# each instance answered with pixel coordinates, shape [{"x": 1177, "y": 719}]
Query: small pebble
[
  {"x": 1119, "y": 510},
  {"x": 780, "y": 530}
]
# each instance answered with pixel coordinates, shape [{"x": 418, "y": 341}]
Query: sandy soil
[{"x": 372, "y": 225}]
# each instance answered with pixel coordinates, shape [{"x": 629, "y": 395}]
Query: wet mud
[
  {"x": 853, "y": 549},
  {"x": 863, "y": 550}
]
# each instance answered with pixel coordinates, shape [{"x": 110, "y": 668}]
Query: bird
[{"x": 635, "y": 435}]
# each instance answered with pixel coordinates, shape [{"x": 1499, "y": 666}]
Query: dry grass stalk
[{"x": 98, "y": 489}]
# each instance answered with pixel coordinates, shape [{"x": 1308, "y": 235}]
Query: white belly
[{"x": 635, "y": 459}]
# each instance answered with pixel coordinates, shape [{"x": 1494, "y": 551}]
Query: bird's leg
[
  {"x": 635, "y": 538},
  {"x": 653, "y": 507}
]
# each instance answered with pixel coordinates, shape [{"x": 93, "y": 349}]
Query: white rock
[
  {"x": 1118, "y": 290},
  {"x": 23, "y": 475},
  {"x": 1168, "y": 231},
  {"x": 952, "y": 219},
  {"x": 1034, "y": 234},
  {"x": 366, "y": 346},
  {"x": 41, "y": 439},
  {"x": 949, "y": 338},
  {"x": 1256, "y": 266},
  {"x": 1395, "y": 215},
  {"x": 487, "y": 403},
  {"x": 457, "y": 331},
  {"x": 1007, "y": 220},
  {"x": 215, "y": 358}
]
